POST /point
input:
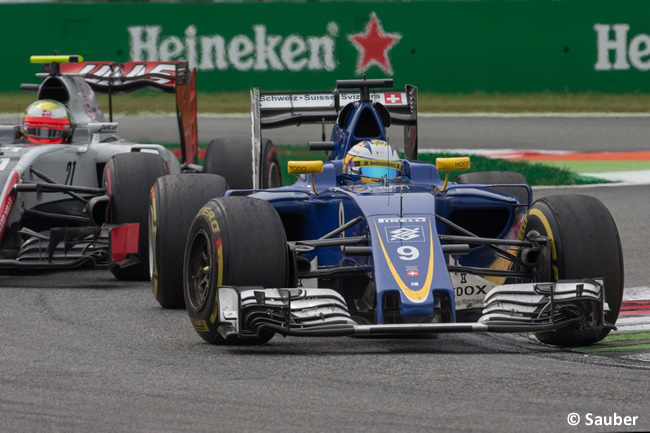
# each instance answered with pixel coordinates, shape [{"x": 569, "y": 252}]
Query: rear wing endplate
[{"x": 279, "y": 109}]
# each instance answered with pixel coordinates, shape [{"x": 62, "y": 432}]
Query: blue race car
[{"x": 370, "y": 244}]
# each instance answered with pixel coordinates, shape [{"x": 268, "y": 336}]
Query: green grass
[
  {"x": 536, "y": 174},
  {"x": 239, "y": 102},
  {"x": 620, "y": 342}
]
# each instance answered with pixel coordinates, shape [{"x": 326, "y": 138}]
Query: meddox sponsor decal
[{"x": 471, "y": 290}]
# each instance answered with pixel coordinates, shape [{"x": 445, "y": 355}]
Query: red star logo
[{"x": 374, "y": 45}]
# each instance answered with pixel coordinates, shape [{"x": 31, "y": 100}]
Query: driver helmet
[
  {"x": 372, "y": 160},
  {"x": 47, "y": 122}
]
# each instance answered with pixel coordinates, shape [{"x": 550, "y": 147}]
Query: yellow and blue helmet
[{"x": 372, "y": 160}]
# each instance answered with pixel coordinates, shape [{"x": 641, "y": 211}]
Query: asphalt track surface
[
  {"x": 83, "y": 352},
  {"x": 601, "y": 133}
]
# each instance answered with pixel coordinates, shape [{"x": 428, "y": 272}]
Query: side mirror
[
  {"x": 461, "y": 163},
  {"x": 306, "y": 167}
]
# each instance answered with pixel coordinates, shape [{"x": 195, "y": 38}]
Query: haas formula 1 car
[
  {"x": 85, "y": 202},
  {"x": 412, "y": 254}
]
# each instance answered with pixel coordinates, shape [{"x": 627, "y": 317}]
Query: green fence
[{"x": 439, "y": 46}]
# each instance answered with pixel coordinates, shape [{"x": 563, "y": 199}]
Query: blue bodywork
[{"x": 399, "y": 271}]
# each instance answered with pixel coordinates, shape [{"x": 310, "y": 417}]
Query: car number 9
[{"x": 408, "y": 253}]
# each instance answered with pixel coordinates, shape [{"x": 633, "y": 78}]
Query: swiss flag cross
[
  {"x": 393, "y": 98},
  {"x": 413, "y": 273}
]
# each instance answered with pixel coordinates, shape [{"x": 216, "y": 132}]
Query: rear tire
[
  {"x": 233, "y": 241},
  {"x": 232, "y": 158},
  {"x": 271, "y": 171},
  {"x": 586, "y": 243},
  {"x": 128, "y": 178},
  {"x": 175, "y": 201}
]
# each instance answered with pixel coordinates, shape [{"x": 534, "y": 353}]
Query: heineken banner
[{"x": 439, "y": 46}]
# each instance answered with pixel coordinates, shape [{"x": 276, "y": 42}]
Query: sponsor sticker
[
  {"x": 402, "y": 220},
  {"x": 412, "y": 271},
  {"x": 405, "y": 233},
  {"x": 324, "y": 100},
  {"x": 470, "y": 290},
  {"x": 392, "y": 98}
]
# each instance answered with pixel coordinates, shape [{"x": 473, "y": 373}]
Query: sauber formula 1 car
[
  {"x": 85, "y": 202},
  {"x": 329, "y": 256}
]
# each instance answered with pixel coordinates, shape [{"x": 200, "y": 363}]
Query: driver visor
[
  {"x": 45, "y": 127},
  {"x": 378, "y": 172}
]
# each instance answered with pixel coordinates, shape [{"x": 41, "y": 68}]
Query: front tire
[
  {"x": 584, "y": 244},
  {"x": 233, "y": 241},
  {"x": 175, "y": 201},
  {"x": 128, "y": 178}
]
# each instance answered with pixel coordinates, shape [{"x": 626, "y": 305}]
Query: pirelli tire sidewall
[
  {"x": 203, "y": 309},
  {"x": 585, "y": 244},
  {"x": 174, "y": 202},
  {"x": 247, "y": 248}
]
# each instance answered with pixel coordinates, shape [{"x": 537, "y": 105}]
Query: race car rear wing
[
  {"x": 113, "y": 78},
  {"x": 279, "y": 109}
]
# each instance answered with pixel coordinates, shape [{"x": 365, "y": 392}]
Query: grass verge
[{"x": 537, "y": 174}]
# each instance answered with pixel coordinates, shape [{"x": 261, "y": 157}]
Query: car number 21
[
  {"x": 408, "y": 253},
  {"x": 72, "y": 165}
]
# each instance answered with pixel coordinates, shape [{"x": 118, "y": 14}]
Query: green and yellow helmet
[{"x": 372, "y": 160}]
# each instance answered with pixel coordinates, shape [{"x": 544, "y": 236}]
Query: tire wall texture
[
  {"x": 586, "y": 241},
  {"x": 128, "y": 178},
  {"x": 175, "y": 201},
  {"x": 247, "y": 248}
]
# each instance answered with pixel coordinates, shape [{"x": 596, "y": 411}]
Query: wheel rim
[{"x": 198, "y": 270}]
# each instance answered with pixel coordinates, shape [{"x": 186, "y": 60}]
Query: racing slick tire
[
  {"x": 498, "y": 177},
  {"x": 231, "y": 157},
  {"x": 174, "y": 202},
  {"x": 584, "y": 244},
  {"x": 233, "y": 241},
  {"x": 271, "y": 171},
  {"x": 128, "y": 178}
]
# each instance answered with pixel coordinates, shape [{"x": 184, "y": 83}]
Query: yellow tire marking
[
  {"x": 200, "y": 325},
  {"x": 216, "y": 230},
  {"x": 549, "y": 233}
]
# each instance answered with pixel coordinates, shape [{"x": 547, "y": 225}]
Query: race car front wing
[{"x": 529, "y": 307}]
